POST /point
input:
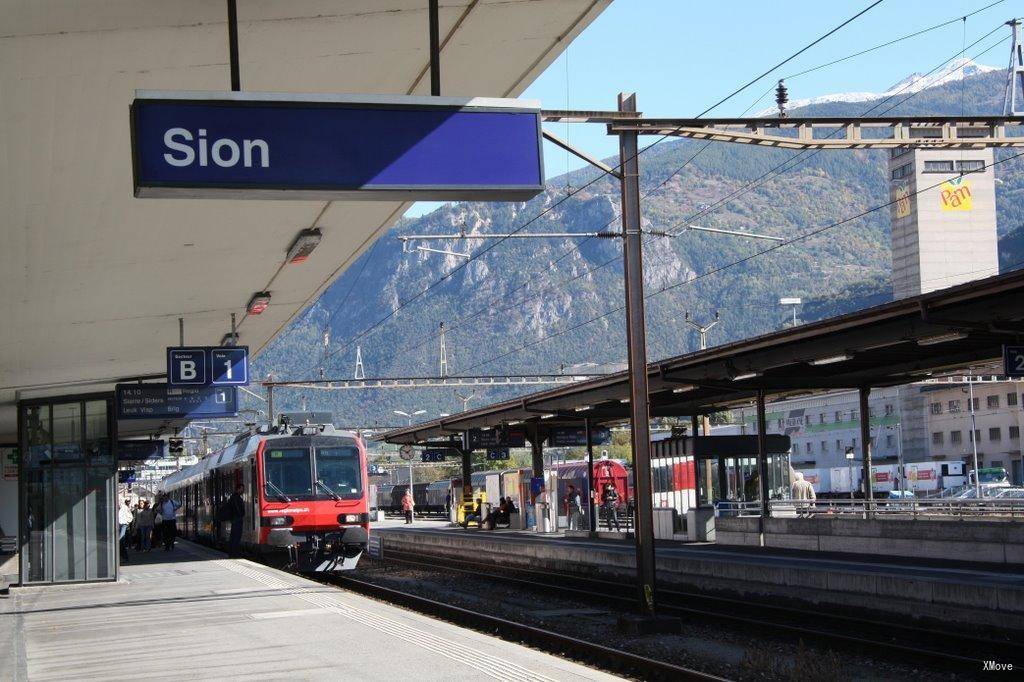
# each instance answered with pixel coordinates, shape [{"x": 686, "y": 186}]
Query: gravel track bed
[{"x": 731, "y": 653}]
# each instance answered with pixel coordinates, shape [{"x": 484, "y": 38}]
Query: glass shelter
[{"x": 66, "y": 490}]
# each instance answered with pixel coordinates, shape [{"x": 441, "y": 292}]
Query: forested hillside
[{"x": 536, "y": 305}]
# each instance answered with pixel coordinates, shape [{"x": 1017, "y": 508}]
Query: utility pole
[
  {"x": 1015, "y": 73},
  {"x": 974, "y": 435},
  {"x": 636, "y": 343},
  {"x": 703, "y": 331},
  {"x": 359, "y": 373},
  {"x": 444, "y": 355},
  {"x": 465, "y": 398}
]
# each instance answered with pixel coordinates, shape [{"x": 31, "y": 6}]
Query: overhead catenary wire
[
  {"x": 714, "y": 271},
  {"x": 646, "y": 194},
  {"x": 447, "y": 276},
  {"x": 792, "y": 162},
  {"x": 775, "y": 247},
  {"x": 799, "y": 158},
  {"x": 894, "y": 41}
]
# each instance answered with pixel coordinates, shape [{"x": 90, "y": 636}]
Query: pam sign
[{"x": 270, "y": 145}]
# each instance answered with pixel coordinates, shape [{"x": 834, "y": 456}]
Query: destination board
[
  {"x": 571, "y": 436},
  {"x": 512, "y": 437},
  {"x": 161, "y": 401}
]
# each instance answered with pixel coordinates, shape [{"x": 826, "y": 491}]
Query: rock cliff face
[{"x": 532, "y": 306}]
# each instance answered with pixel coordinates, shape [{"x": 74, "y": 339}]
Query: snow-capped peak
[{"x": 956, "y": 70}]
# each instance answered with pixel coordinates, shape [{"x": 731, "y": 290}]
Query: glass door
[{"x": 67, "y": 494}]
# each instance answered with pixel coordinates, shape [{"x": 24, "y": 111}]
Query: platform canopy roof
[
  {"x": 896, "y": 343},
  {"x": 94, "y": 280}
]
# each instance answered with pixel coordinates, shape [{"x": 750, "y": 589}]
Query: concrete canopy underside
[{"x": 93, "y": 281}]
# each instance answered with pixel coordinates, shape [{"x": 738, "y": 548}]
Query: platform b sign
[{"x": 186, "y": 367}]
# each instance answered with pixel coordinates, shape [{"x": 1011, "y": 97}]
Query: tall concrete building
[{"x": 943, "y": 218}]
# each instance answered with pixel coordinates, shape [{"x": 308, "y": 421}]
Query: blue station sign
[
  {"x": 287, "y": 146},
  {"x": 208, "y": 366},
  {"x": 433, "y": 454},
  {"x": 162, "y": 401},
  {"x": 1013, "y": 360}
]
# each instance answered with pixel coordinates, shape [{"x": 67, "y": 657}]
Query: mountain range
[
  {"x": 953, "y": 72},
  {"x": 552, "y": 305}
]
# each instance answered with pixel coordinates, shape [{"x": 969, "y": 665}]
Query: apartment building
[{"x": 928, "y": 421}]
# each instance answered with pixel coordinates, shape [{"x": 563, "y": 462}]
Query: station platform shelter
[
  {"x": 192, "y": 614},
  {"x": 98, "y": 283}
]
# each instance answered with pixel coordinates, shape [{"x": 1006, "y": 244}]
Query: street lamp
[
  {"x": 409, "y": 416},
  {"x": 849, "y": 466}
]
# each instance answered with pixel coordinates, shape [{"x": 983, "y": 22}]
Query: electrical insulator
[{"x": 781, "y": 98}]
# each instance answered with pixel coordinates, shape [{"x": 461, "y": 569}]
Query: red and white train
[{"x": 305, "y": 493}]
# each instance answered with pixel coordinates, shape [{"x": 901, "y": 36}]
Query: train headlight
[
  {"x": 353, "y": 518},
  {"x": 277, "y": 521}
]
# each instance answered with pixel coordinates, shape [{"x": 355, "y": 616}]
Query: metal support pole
[
  {"x": 181, "y": 331},
  {"x": 270, "y": 403},
  {"x": 435, "y": 51},
  {"x": 974, "y": 435},
  {"x": 762, "y": 458},
  {"x": 865, "y": 447},
  {"x": 233, "y": 46},
  {"x": 694, "y": 421},
  {"x": 723, "y": 480},
  {"x": 537, "y": 451},
  {"x": 467, "y": 468},
  {"x": 588, "y": 424},
  {"x": 636, "y": 343}
]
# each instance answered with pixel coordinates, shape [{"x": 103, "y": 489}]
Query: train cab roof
[{"x": 245, "y": 445}]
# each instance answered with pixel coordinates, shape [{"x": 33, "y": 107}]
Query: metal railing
[{"x": 992, "y": 508}]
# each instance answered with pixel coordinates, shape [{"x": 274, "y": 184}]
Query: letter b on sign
[{"x": 186, "y": 367}]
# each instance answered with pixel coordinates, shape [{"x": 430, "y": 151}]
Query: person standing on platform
[
  {"x": 236, "y": 509},
  {"x": 144, "y": 522},
  {"x": 169, "y": 525},
  {"x": 124, "y": 519},
  {"x": 610, "y": 505},
  {"x": 573, "y": 507},
  {"x": 407, "y": 505}
]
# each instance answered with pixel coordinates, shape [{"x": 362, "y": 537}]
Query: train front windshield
[
  {"x": 288, "y": 473},
  {"x": 338, "y": 469}
]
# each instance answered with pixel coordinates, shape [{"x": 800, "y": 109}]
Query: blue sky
[{"x": 680, "y": 57}]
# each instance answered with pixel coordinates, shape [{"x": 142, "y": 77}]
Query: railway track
[
  {"x": 893, "y": 640},
  {"x": 589, "y": 653}
]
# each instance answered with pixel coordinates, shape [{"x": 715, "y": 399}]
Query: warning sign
[{"x": 955, "y": 195}]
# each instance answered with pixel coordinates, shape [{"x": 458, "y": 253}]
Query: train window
[
  {"x": 287, "y": 472},
  {"x": 339, "y": 472}
]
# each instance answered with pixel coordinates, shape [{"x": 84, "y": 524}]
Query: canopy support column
[{"x": 865, "y": 448}]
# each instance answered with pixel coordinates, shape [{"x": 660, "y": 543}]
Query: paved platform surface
[
  {"x": 193, "y": 614},
  {"x": 979, "y": 594}
]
